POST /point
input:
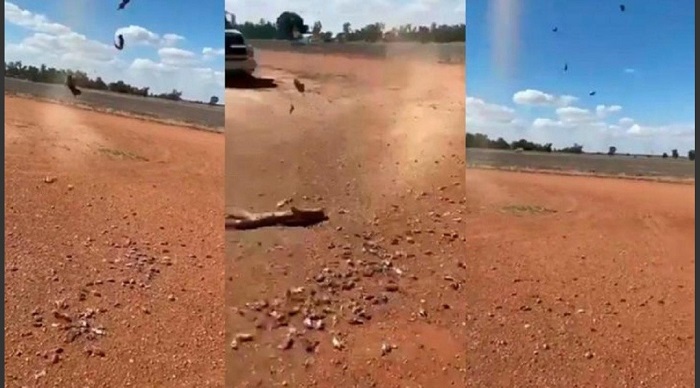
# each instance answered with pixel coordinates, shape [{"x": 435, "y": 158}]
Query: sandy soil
[
  {"x": 379, "y": 144},
  {"x": 113, "y": 250},
  {"x": 579, "y": 282}
]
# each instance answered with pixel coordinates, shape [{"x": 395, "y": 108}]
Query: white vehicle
[{"x": 240, "y": 56}]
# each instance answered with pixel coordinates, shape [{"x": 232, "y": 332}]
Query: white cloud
[
  {"x": 626, "y": 122},
  {"x": 478, "y": 109},
  {"x": 574, "y": 115},
  {"x": 683, "y": 131},
  {"x": 171, "y": 39},
  {"x": 333, "y": 13},
  {"x": 546, "y": 123},
  {"x": 31, "y": 21},
  {"x": 630, "y": 71},
  {"x": 177, "y": 57},
  {"x": 571, "y": 124},
  {"x": 491, "y": 119},
  {"x": 209, "y": 53},
  {"x": 535, "y": 97},
  {"x": 57, "y": 45},
  {"x": 603, "y": 111},
  {"x": 138, "y": 35}
]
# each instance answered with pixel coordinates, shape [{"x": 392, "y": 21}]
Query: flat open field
[
  {"x": 639, "y": 166},
  {"x": 113, "y": 250},
  {"x": 186, "y": 112},
  {"x": 429, "y": 52},
  {"x": 578, "y": 281},
  {"x": 381, "y": 147}
]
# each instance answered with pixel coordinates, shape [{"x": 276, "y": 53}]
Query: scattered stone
[
  {"x": 391, "y": 287},
  {"x": 386, "y": 348},
  {"x": 309, "y": 345},
  {"x": 337, "y": 343},
  {"x": 313, "y": 324},
  {"x": 284, "y": 202},
  {"x": 62, "y": 316},
  {"x": 244, "y": 337},
  {"x": 96, "y": 352},
  {"x": 286, "y": 344},
  {"x": 588, "y": 355}
]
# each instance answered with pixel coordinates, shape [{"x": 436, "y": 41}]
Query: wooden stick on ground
[{"x": 242, "y": 220}]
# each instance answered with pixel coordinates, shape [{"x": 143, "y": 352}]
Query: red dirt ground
[
  {"x": 125, "y": 243},
  {"x": 380, "y": 144},
  {"x": 579, "y": 281}
]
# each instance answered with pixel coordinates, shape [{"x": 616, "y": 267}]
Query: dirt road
[
  {"x": 206, "y": 116},
  {"x": 113, "y": 272},
  {"x": 589, "y": 164},
  {"x": 579, "y": 282},
  {"x": 380, "y": 145}
]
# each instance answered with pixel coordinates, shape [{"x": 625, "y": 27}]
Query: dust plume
[{"x": 504, "y": 17}]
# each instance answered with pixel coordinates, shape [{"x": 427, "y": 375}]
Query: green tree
[
  {"x": 317, "y": 28},
  {"x": 288, "y": 23},
  {"x": 52, "y": 75}
]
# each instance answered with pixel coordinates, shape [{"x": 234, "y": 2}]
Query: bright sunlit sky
[
  {"x": 640, "y": 62},
  {"x": 168, "y": 44},
  {"x": 333, "y": 13}
]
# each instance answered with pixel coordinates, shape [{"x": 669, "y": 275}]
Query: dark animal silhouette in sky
[
  {"x": 120, "y": 42},
  {"x": 123, "y": 4}
]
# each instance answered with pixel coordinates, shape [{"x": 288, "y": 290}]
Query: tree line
[
  {"x": 480, "y": 140},
  {"x": 290, "y": 26},
  {"x": 51, "y": 75}
]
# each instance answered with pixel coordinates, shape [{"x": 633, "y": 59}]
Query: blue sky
[
  {"x": 168, "y": 44},
  {"x": 640, "y": 62}
]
